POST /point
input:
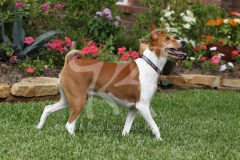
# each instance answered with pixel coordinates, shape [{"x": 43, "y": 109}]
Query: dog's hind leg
[
  {"x": 143, "y": 109},
  {"x": 62, "y": 104},
  {"x": 76, "y": 109},
  {"x": 129, "y": 120}
]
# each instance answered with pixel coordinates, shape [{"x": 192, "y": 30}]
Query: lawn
[{"x": 195, "y": 124}]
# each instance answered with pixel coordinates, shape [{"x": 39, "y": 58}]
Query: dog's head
[{"x": 165, "y": 45}]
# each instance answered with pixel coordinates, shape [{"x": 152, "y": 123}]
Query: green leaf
[
  {"x": 4, "y": 37},
  {"x": 39, "y": 39}
]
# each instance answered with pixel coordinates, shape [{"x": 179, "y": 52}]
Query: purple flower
[
  {"x": 116, "y": 24},
  {"x": 58, "y": 6},
  {"x": 109, "y": 17},
  {"x": 107, "y": 11},
  {"x": 118, "y": 18},
  {"x": 19, "y": 4},
  {"x": 45, "y": 7},
  {"x": 99, "y": 13}
]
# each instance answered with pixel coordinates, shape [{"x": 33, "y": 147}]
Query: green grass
[{"x": 196, "y": 124}]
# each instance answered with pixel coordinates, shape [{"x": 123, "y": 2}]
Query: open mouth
[{"x": 175, "y": 53}]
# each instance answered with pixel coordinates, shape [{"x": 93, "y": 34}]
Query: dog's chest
[{"x": 111, "y": 98}]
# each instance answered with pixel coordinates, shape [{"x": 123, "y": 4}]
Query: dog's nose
[{"x": 183, "y": 43}]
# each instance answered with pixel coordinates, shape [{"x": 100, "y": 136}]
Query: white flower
[
  {"x": 189, "y": 13},
  {"x": 167, "y": 14},
  {"x": 192, "y": 58},
  {"x": 230, "y": 64},
  {"x": 189, "y": 19},
  {"x": 223, "y": 67},
  {"x": 220, "y": 55},
  {"x": 182, "y": 14},
  {"x": 225, "y": 21},
  {"x": 187, "y": 26},
  {"x": 237, "y": 20},
  {"x": 213, "y": 48},
  {"x": 192, "y": 42}
]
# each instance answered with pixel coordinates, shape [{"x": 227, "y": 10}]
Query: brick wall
[
  {"x": 131, "y": 11},
  {"x": 134, "y": 8}
]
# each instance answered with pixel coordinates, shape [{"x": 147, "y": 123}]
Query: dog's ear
[
  {"x": 154, "y": 31},
  {"x": 162, "y": 29}
]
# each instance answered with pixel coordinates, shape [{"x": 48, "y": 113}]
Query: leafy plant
[{"x": 103, "y": 25}]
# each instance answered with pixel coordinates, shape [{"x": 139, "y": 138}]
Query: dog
[{"x": 131, "y": 85}]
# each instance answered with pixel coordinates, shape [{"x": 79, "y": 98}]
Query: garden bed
[{"x": 11, "y": 74}]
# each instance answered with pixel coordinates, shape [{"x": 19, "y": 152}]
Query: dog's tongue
[{"x": 177, "y": 52}]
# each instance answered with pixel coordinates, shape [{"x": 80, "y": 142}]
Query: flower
[
  {"x": 225, "y": 30},
  {"x": 115, "y": 23},
  {"x": 121, "y": 50},
  {"x": 125, "y": 57},
  {"x": 196, "y": 48},
  {"x": 45, "y": 7},
  {"x": 19, "y": 4},
  {"x": 223, "y": 67},
  {"x": 30, "y": 70},
  {"x": 99, "y": 13},
  {"x": 235, "y": 52},
  {"x": 28, "y": 40},
  {"x": 203, "y": 58},
  {"x": 215, "y": 59},
  {"x": 69, "y": 42},
  {"x": 213, "y": 48},
  {"x": 13, "y": 59},
  {"x": 107, "y": 11},
  {"x": 134, "y": 54},
  {"x": 58, "y": 6},
  {"x": 91, "y": 48},
  {"x": 118, "y": 18},
  {"x": 230, "y": 64},
  {"x": 220, "y": 55},
  {"x": 192, "y": 58}
]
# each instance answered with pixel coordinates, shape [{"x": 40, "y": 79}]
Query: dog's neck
[{"x": 157, "y": 61}]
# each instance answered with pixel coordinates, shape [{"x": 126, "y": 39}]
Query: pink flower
[
  {"x": 58, "y": 6},
  {"x": 215, "y": 59},
  {"x": 69, "y": 42},
  {"x": 125, "y": 57},
  {"x": 52, "y": 45},
  {"x": 203, "y": 47},
  {"x": 203, "y": 58},
  {"x": 91, "y": 43},
  {"x": 45, "y": 7},
  {"x": 134, "y": 54},
  {"x": 235, "y": 52},
  {"x": 30, "y": 70},
  {"x": 121, "y": 50},
  {"x": 28, "y": 40},
  {"x": 86, "y": 50},
  {"x": 19, "y": 4},
  {"x": 12, "y": 59},
  {"x": 144, "y": 42},
  {"x": 95, "y": 54}
]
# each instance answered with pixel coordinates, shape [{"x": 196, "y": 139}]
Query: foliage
[
  {"x": 236, "y": 56},
  {"x": 103, "y": 25},
  {"x": 226, "y": 31},
  {"x": 209, "y": 66}
]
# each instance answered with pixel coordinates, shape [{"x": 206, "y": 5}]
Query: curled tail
[{"x": 72, "y": 53}]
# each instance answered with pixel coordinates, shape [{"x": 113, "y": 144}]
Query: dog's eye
[{"x": 168, "y": 38}]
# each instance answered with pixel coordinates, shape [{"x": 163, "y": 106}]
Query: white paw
[
  {"x": 39, "y": 126},
  {"x": 124, "y": 133}
]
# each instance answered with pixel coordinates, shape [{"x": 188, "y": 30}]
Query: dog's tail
[{"x": 71, "y": 54}]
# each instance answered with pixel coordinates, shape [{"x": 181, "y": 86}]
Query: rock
[
  {"x": 4, "y": 90},
  {"x": 231, "y": 83},
  {"x": 35, "y": 87},
  {"x": 196, "y": 79}
]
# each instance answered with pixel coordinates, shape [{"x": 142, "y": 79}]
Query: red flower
[
  {"x": 203, "y": 47},
  {"x": 196, "y": 48},
  {"x": 235, "y": 52},
  {"x": 144, "y": 42},
  {"x": 28, "y": 40},
  {"x": 203, "y": 58},
  {"x": 215, "y": 59},
  {"x": 30, "y": 70},
  {"x": 125, "y": 57},
  {"x": 121, "y": 50},
  {"x": 69, "y": 42},
  {"x": 134, "y": 54}
]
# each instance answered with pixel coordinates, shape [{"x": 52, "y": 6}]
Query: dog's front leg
[
  {"x": 143, "y": 109},
  {"x": 129, "y": 120}
]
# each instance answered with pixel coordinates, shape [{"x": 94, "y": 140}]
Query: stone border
[
  {"x": 45, "y": 88},
  {"x": 197, "y": 81}
]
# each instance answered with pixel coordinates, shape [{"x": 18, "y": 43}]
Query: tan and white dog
[{"x": 131, "y": 85}]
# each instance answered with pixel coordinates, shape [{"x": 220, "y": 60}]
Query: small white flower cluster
[{"x": 224, "y": 67}]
